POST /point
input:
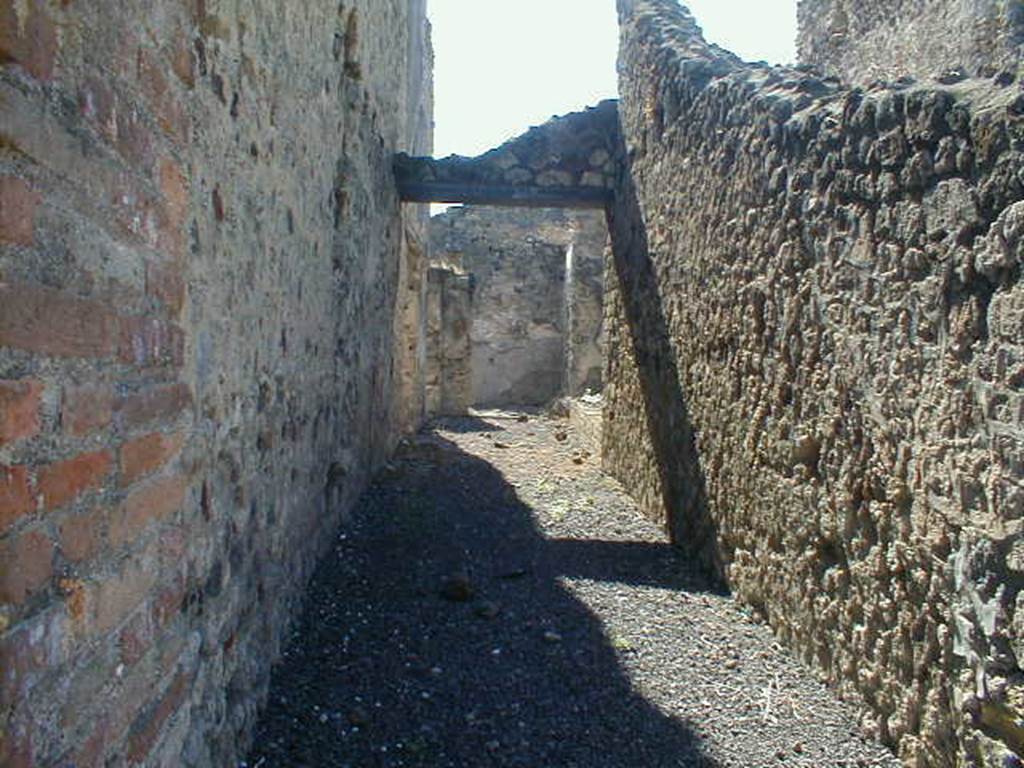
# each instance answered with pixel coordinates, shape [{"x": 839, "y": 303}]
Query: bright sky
[{"x": 501, "y": 67}]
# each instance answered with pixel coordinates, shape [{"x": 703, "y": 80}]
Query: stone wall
[
  {"x": 865, "y": 40},
  {"x": 200, "y": 250},
  {"x": 518, "y": 260},
  {"x": 815, "y": 361}
]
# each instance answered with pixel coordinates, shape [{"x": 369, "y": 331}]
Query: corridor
[{"x": 496, "y": 601}]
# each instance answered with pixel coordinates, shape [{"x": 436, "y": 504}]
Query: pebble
[
  {"x": 358, "y": 716},
  {"x": 488, "y": 609},
  {"x": 457, "y": 588}
]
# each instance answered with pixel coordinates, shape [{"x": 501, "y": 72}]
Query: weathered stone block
[
  {"x": 18, "y": 204},
  {"x": 16, "y": 497},
  {"x": 61, "y": 483},
  {"x": 26, "y": 566},
  {"x": 86, "y": 409},
  {"x": 19, "y": 409},
  {"x": 28, "y": 37},
  {"x": 50, "y": 322},
  {"x": 150, "y": 503},
  {"x": 148, "y": 453}
]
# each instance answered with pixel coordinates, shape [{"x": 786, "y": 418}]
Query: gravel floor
[{"x": 497, "y": 601}]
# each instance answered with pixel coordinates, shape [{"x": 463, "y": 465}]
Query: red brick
[
  {"x": 86, "y": 409},
  {"x": 168, "y": 111},
  {"x": 52, "y": 322},
  {"x": 182, "y": 63},
  {"x": 63, "y": 482},
  {"x": 133, "y": 139},
  {"x": 218, "y": 204},
  {"x": 81, "y": 535},
  {"x": 146, "y": 729},
  {"x": 26, "y": 565},
  {"x": 111, "y": 601},
  {"x": 76, "y": 597},
  {"x": 136, "y": 637},
  {"x": 153, "y": 502},
  {"x": 158, "y": 402},
  {"x": 19, "y": 409},
  {"x": 28, "y": 37},
  {"x": 122, "y": 127},
  {"x": 148, "y": 341},
  {"x": 18, "y": 203},
  {"x": 174, "y": 187},
  {"x": 165, "y": 283},
  {"x": 16, "y": 499},
  {"x": 148, "y": 453}
]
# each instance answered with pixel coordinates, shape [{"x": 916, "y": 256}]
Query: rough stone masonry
[
  {"x": 815, "y": 359},
  {"x": 209, "y": 301}
]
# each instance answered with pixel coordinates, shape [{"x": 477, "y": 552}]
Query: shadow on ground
[{"x": 386, "y": 671}]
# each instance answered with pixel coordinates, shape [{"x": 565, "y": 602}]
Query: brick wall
[{"x": 200, "y": 252}]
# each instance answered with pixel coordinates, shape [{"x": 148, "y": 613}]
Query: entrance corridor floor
[{"x": 495, "y": 600}]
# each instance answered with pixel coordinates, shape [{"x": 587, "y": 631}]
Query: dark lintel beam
[{"x": 526, "y": 197}]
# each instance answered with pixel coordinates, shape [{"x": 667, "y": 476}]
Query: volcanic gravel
[{"x": 495, "y": 600}]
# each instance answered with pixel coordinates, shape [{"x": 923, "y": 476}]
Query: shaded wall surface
[
  {"x": 865, "y": 40},
  {"x": 518, "y": 261},
  {"x": 814, "y": 330},
  {"x": 200, "y": 255}
]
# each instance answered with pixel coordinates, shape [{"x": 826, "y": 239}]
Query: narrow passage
[{"x": 496, "y": 601}]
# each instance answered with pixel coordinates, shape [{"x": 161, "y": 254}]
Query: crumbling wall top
[
  {"x": 865, "y": 40},
  {"x": 567, "y": 162}
]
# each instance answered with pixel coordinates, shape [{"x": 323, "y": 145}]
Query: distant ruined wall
[
  {"x": 815, "y": 360},
  {"x": 449, "y": 315},
  {"x": 865, "y": 40},
  {"x": 518, "y": 261},
  {"x": 201, "y": 247}
]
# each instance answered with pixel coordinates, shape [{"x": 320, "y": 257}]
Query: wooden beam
[{"x": 525, "y": 197}]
